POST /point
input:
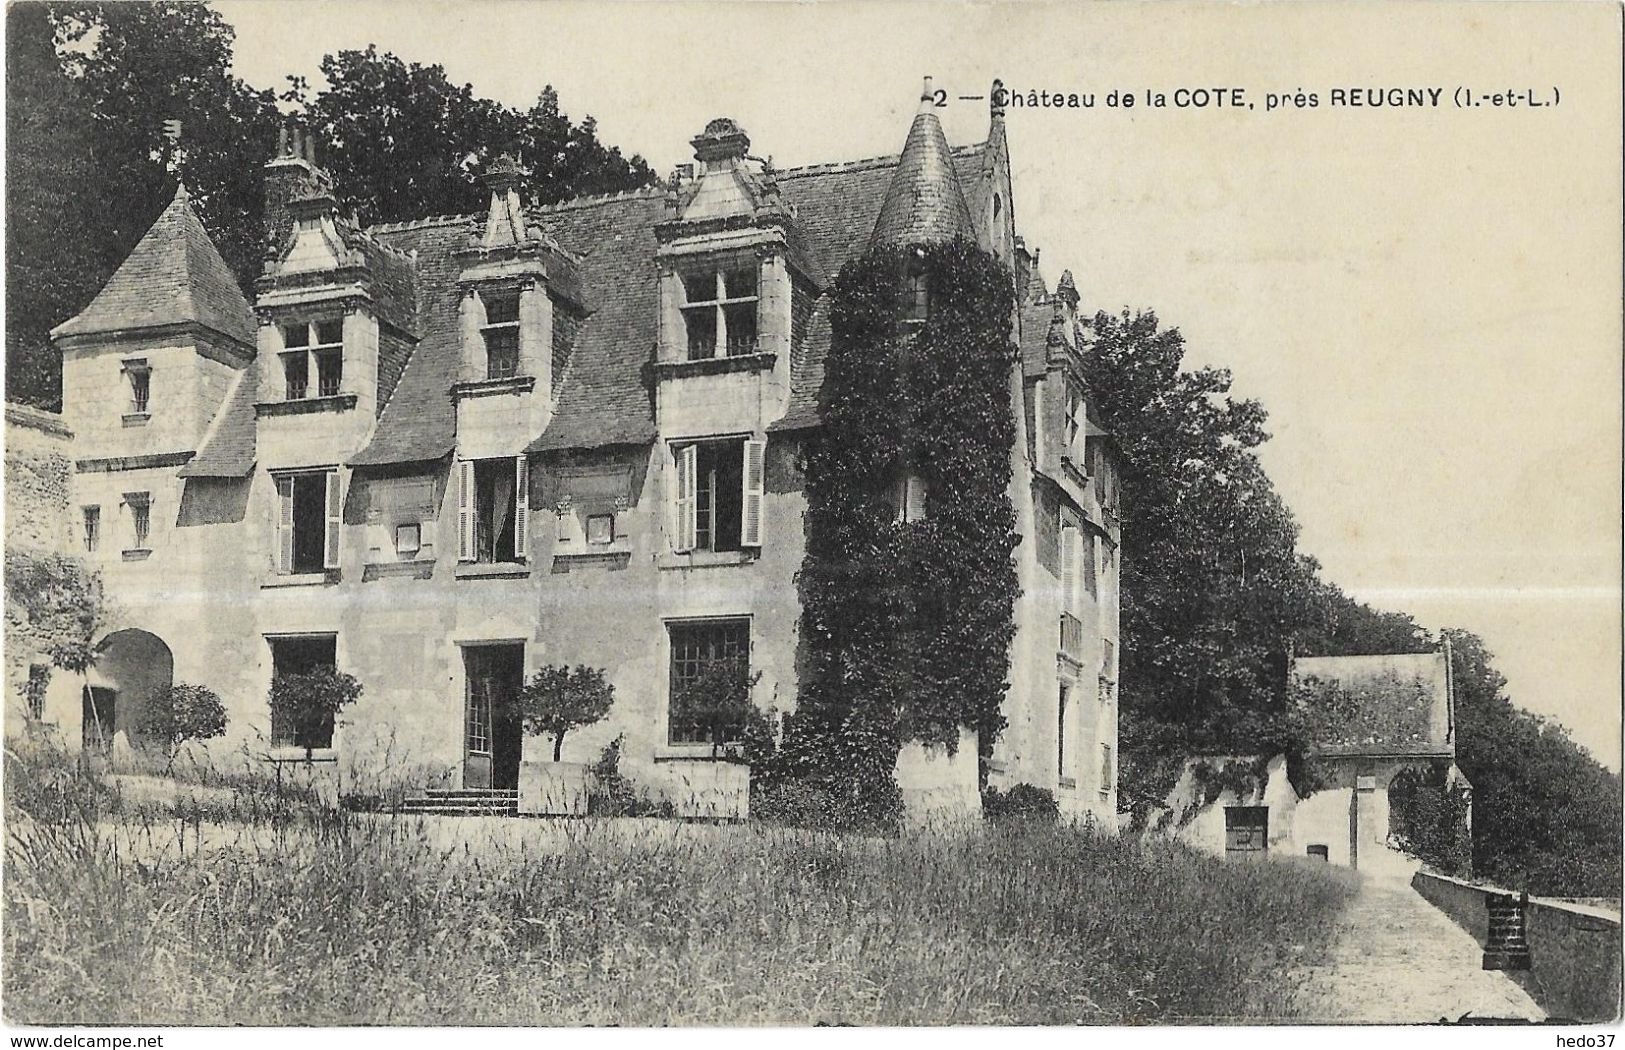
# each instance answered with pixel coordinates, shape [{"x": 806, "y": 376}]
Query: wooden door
[{"x": 1246, "y": 831}]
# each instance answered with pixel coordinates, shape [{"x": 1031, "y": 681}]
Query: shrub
[
  {"x": 55, "y": 606},
  {"x": 718, "y": 701},
  {"x": 309, "y": 702},
  {"x": 185, "y": 712},
  {"x": 613, "y": 794},
  {"x": 1023, "y": 802},
  {"x": 557, "y": 699}
]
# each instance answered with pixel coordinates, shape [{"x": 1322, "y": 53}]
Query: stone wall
[
  {"x": 1574, "y": 950},
  {"x": 39, "y": 479}
]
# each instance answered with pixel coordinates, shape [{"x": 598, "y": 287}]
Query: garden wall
[{"x": 1574, "y": 950}]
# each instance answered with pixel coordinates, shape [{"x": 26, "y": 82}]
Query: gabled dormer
[
  {"x": 338, "y": 319},
  {"x": 734, "y": 270},
  {"x": 519, "y": 292}
]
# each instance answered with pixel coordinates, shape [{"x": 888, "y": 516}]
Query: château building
[{"x": 437, "y": 454}]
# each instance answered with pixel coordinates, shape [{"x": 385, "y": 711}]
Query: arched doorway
[{"x": 132, "y": 666}]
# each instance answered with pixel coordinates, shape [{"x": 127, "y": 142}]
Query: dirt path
[{"x": 1399, "y": 960}]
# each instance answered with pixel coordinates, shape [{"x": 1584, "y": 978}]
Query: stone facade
[{"x": 539, "y": 436}]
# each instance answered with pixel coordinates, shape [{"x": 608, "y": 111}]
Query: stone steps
[{"x": 464, "y": 802}]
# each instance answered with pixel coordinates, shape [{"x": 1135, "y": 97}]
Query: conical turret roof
[
  {"x": 174, "y": 275},
  {"x": 924, "y": 201}
]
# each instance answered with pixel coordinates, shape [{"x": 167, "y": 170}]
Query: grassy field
[{"x": 283, "y": 914}]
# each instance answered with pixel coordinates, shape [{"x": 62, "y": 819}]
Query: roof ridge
[
  {"x": 594, "y": 199},
  {"x": 864, "y": 163},
  {"x": 416, "y": 224}
]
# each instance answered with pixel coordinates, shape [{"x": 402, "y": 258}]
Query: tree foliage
[
  {"x": 718, "y": 701},
  {"x": 1216, "y": 596},
  {"x": 309, "y": 701},
  {"x": 182, "y": 714},
  {"x": 1429, "y": 818},
  {"x": 54, "y": 606},
  {"x": 402, "y": 141},
  {"x": 907, "y": 625},
  {"x": 1546, "y": 815},
  {"x": 556, "y": 699},
  {"x": 88, "y": 165}
]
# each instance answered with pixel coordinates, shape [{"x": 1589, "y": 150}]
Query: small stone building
[
  {"x": 438, "y": 454},
  {"x": 1376, "y": 717}
]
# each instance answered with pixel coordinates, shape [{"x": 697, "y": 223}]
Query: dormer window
[
  {"x": 1074, "y": 423},
  {"x": 719, "y": 311},
  {"x": 313, "y": 346},
  {"x": 501, "y": 335}
]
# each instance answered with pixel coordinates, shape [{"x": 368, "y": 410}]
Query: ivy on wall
[{"x": 907, "y": 625}]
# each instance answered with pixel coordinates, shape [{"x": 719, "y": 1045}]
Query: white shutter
[
  {"x": 1069, "y": 567},
  {"x": 335, "y": 514},
  {"x": 685, "y": 526},
  {"x": 750, "y": 523},
  {"x": 465, "y": 510},
  {"x": 284, "y": 525},
  {"x": 521, "y": 506}
]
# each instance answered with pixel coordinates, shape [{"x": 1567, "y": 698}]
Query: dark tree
[{"x": 402, "y": 141}]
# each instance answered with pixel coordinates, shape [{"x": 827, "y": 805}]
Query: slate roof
[
  {"x": 228, "y": 448},
  {"x": 1390, "y": 704},
  {"x": 173, "y": 275},
  {"x": 604, "y": 391},
  {"x": 925, "y": 201},
  {"x": 1040, "y": 328}
]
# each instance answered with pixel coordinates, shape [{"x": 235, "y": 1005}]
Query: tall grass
[{"x": 391, "y": 920}]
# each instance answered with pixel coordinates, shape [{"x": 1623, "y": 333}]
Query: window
[
  {"x": 719, "y": 312},
  {"x": 915, "y": 295},
  {"x": 93, "y": 528},
  {"x": 501, "y": 334},
  {"x": 318, "y": 341},
  {"x": 600, "y": 528},
  {"x": 493, "y": 509},
  {"x": 1069, "y": 550},
  {"x": 140, "y": 504},
  {"x": 907, "y": 497},
  {"x": 39, "y": 679},
  {"x": 697, "y": 648},
  {"x": 1108, "y": 776},
  {"x": 1060, "y": 733},
  {"x": 139, "y": 377},
  {"x": 301, "y": 655},
  {"x": 308, "y": 519},
  {"x": 1074, "y": 425},
  {"x": 717, "y": 504}
]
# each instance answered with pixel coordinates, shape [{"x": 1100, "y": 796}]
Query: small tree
[
  {"x": 309, "y": 701},
  {"x": 718, "y": 701},
  {"x": 558, "y": 699},
  {"x": 185, "y": 712},
  {"x": 55, "y": 606}
]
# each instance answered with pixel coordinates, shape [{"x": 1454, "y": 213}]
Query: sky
[{"x": 1427, "y": 300}]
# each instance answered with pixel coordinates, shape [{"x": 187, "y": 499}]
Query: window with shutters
[
  {"x": 1072, "y": 433},
  {"x": 308, "y": 524},
  {"x": 313, "y": 348},
  {"x": 719, "y": 311},
  {"x": 717, "y": 495},
  {"x": 493, "y": 510},
  {"x": 1061, "y": 731},
  {"x": 1108, "y": 773}
]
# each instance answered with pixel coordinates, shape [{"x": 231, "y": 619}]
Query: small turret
[{"x": 925, "y": 201}]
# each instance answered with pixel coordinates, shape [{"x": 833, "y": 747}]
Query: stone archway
[{"x": 132, "y": 666}]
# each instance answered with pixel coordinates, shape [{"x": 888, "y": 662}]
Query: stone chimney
[{"x": 289, "y": 176}]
